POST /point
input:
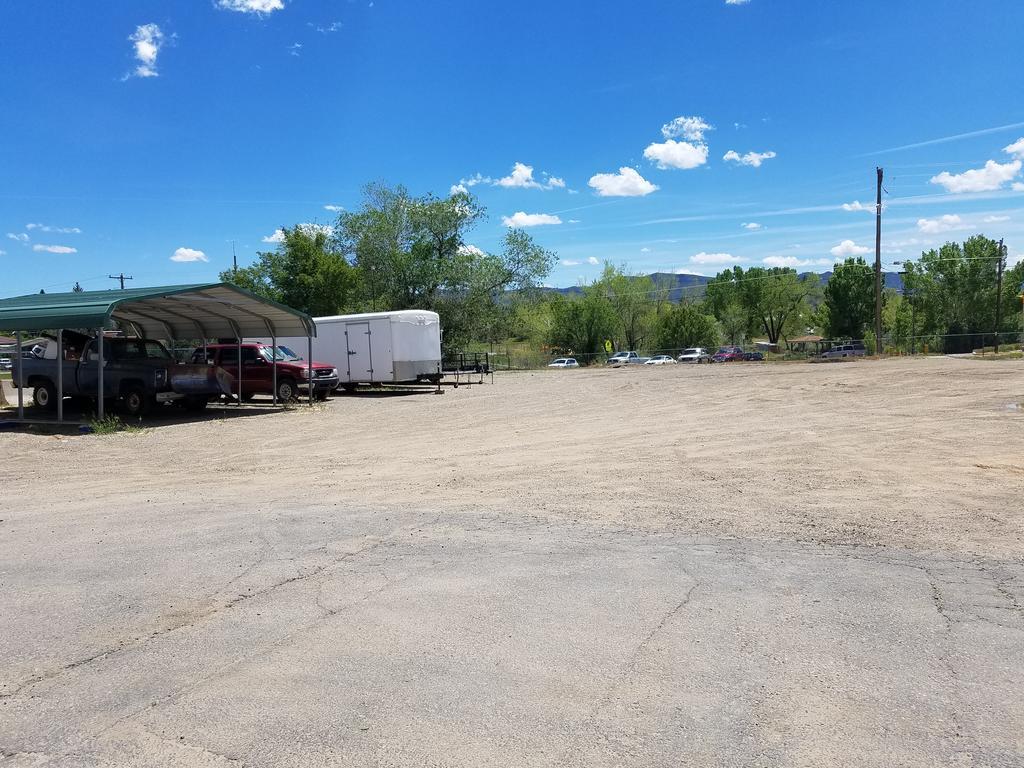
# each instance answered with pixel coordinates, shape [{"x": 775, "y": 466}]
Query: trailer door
[{"x": 360, "y": 359}]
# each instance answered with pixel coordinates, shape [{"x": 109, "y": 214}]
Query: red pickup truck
[{"x": 258, "y": 362}]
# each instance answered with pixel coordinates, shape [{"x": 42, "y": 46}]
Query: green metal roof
[{"x": 201, "y": 310}]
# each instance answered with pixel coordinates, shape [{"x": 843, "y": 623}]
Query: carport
[{"x": 201, "y": 311}]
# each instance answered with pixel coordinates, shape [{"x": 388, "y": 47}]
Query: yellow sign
[{"x": 608, "y": 346}]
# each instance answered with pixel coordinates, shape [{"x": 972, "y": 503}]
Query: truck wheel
[
  {"x": 136, "y": 403},
  {"x": 45, "y": 396},
  {"x": 286, "y": 390}
]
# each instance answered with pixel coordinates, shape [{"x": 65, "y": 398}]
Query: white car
[
  {"x": 694, "y": 355},
  {"x": 660, "y": 360},
  {"x": 564, "y": 362}
]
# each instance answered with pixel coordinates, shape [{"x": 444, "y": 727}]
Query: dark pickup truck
[{"x": 137, "y": 373}]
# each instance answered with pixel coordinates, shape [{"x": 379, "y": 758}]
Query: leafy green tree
[
  {"x": 632, "y": 300},
  {"x": 771, "y": 300},
  {"x": 685, "y": 325},
  {"x": 849, "y": 299},
  {"x": 306, "y": 272},
  {"x": 412, "y": 254},
  {"x": 581, "y": 325}
]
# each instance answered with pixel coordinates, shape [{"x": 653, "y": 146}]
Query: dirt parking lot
[{"x": 705, "y": 565}]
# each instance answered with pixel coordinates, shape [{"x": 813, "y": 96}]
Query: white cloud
[
  {"x": 458, "y": 189},
  {"x": 523, "y": 219},
  {"x": 592, "y": 261},
  {"x": 1017, "y": 186},
  {"x": 995, "y": 219},
  {"x": 857, "y": 205},
  {"x": 849, "y": 248},
  {"x": 1016, "y": 149},
  {"x": 522, "y": 177},
  {"x": 147, "y": 40},
  {"x": 626, "y": 183},
  {"x": 334, "y": 26},
  {"x": 276, "y": 237},
  {"x": 470, "y": 250},
  {"x": 3, "y": 253},
  {"x": 986, "y": 179},
  {"x": 472, "y": 181},
  {"x": 188, "y": 254},
  {"x": 942, "y": 224},
  {"x": 753, "y": 159},
  {"x": 53, "y": 248},
  {"x": 753, "y": 226},
  {"x": 1013, "y": 261},
  {"x": 570, "y": 263},
  {"x": 59, "y": 230},
  {"x": 294, "y": 49},
  {"x": 712, "y": 258},
  {"x": 250, "y": 6},
  {"x": 736, "y": 2},
  {"x": 573, "y": 221},
  {"x": 677, "y": 154},
  {"x": 334, "y": 208},
  {"x": 794, "y": 262},
  {"x": 21, "y": 237},
  {"x": 645, "y": 250},
  {"x": 691, "y": 128}
]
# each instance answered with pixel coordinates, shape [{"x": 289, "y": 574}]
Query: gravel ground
[{"x": 800, "y": 565}]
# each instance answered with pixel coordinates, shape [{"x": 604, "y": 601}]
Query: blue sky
[{"x": 145, "y": 136}]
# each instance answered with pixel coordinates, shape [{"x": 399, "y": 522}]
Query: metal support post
[
  {"x": 239, "y": 350},
  {"x": 99, "y": 375},
  {"x": 309, "y": 366},
  {"x": 60, "y": 375},
  {"x": 19, "y": 370},
  {"x": 273, "y": 355}
]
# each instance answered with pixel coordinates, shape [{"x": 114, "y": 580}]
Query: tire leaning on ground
[
  {"x": 135, "y": 401},
  {"x": 45, "y": 396},
  {"x": 286, "y": 390}
]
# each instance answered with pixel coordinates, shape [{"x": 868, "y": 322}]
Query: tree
[
  {"x": 772, "y": 300},
  {"x": 685, "y": 325},
  {"x": 412, "y": 254},
  {"x": 306, "y": 272},
  {"x": 581, "y": 325},
  {"x": 632, "y": 301},
  {"x": 849, "y": 299},
  {"x": 954, "y": 293}
]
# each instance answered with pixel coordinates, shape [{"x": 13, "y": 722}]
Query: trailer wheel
[
  {"x": 136, "y": 402},
  {"x": 45, "y": 396},
  {"x": 286, "y": 390}
]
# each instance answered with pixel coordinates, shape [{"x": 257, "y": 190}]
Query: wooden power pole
[
  {"x": 122, "y": 277},
  {"x": 999, "y": 293},
  {"x": 878, "y": 264}
]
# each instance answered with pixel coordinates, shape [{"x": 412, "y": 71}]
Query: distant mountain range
[{"x": 692, "y": 286}]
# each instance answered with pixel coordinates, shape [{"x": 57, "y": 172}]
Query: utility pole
[
  {"x": 122, "y": 277},
  {"x": 234, "y": 261},
  {"x": 878, "y": 264},
  {"x": 999, "y": 293}
]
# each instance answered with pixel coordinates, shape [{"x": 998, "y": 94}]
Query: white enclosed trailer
[{"x": 378, "y": 347}]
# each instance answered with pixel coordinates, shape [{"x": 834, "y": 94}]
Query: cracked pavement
[{"x": 338, "y": 636}]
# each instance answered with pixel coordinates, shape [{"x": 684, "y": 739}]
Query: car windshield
[
  {"x": 689, "y": 351},
  {"x": 283, "y": 354}
]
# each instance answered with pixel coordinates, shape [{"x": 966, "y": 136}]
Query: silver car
[
  {"x": 694, "y": 355},
  {"x": 564, "y": 362}
]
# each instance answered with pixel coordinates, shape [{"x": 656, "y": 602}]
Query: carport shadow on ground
[{"x": 41, "y": 421}]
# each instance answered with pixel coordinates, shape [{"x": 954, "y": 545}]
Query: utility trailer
[{"x": 401, "y": 347}]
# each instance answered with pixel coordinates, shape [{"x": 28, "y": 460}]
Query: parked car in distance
[
  {"x": 694, "y": 355},
  {"x": 660, "y": 360},
  {"x": 258, "y": 361},
  {"x": 6, "y": 364},
  {"x": 855, "y": 349},
  {"x": 753, "y": 357},
  {"x": 564, "y": 362},
  {"x": 727, "y": 355},
  {"x": 625, "y": 358}
]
